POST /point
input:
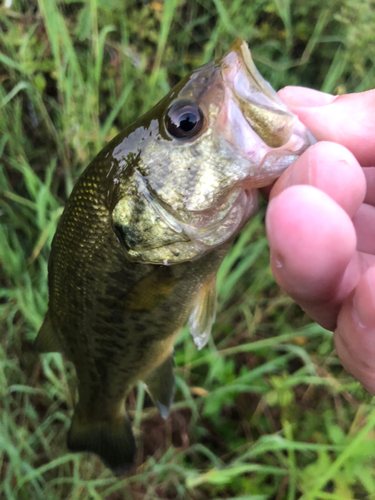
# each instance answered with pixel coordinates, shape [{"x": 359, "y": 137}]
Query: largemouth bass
[{"x": 137, "y": 249}]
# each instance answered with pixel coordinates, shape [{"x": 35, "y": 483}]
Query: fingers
[
  {"x": 364, "y": 223},
  {"x": 312, "y": 242},
  {"x": 348, "y": 120},
  {"x": 331, "y": 168},
  {"x": 355, "y": 333},
  {"x": 370, "y": 181},
  {"x": 314, "y": 258},
  {"x": 313, "y": 232}
]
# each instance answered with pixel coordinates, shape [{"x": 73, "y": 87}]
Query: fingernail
[
  {"x": 275, "y": 256},
  {"x": 290, "y": 179},
  {"x": 306, "y": 98},
  {"x": 364, "y": 301},
  {"x": 359, "y": 316},
  {"x": 305, "y": 175},
  {"x": 269, "y": 221}
]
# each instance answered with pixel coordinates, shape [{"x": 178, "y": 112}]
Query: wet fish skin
[
  {"x": 122, "y": 316},
  {"x": 143, "y": 234}
]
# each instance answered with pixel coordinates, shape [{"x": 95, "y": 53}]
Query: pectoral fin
[
  {"x": 46, "y": 340},
  {"x": 203, "y": 315},
  {"x": 160, "y": 385}
]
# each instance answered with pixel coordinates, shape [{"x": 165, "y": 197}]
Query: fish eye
[{"x": 184, "y": 119}]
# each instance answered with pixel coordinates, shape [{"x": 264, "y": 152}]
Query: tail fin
[{"x": 112, "y": 440}]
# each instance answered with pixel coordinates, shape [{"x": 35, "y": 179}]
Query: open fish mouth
[
  {"x": 263, "y": 110},
  {"x": 255, "y": 121}
]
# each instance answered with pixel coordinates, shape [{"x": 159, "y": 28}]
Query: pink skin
[{"x": 321, "y": 223}]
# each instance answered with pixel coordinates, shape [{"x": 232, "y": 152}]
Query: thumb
[{"x": 348, "y": 119}]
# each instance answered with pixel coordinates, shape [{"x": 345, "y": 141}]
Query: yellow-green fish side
[
  {"x": 143, "y": 234},
  {"x": 115, "y": 320}
]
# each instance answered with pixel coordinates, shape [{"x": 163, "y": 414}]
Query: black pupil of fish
[
  {"x": 184, "y": 121},
  {"x": 187, "y": 122}
]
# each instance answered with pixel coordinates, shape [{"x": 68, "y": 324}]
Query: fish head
[{"x": 217, "y": 137}]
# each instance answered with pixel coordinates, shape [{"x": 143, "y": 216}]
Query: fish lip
[
  {"x": 255, "y": 121},
  {"x": 239, "y": 60},
  {"x": 268, "y": 120},
  {"x": 240, "y": 48}
]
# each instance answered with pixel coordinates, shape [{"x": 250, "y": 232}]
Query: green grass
[{"x": 265, "y": 411}]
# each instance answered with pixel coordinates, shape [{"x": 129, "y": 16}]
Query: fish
[{"x": 143, "y": 233}]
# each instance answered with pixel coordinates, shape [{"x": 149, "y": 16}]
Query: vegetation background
[{"x": 265, "y": 412}]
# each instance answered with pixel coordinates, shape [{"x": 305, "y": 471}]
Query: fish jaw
[{"x": 255, "y": 122}]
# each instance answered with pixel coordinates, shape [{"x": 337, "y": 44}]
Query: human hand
[{"x": 321, "y": 223}]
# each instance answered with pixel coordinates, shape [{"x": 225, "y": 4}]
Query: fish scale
[{"x": 137, "y": 249}]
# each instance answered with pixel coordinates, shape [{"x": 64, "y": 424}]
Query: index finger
[{"x": 348, "y": 119}]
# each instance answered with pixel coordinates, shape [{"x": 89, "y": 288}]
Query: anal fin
[
  {"x": 160, "y": 385},
  {"x": 46, "y": 340},
  {"x": 203, "y": 314}
]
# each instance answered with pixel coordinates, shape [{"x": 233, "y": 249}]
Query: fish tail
[{"x": 112, "y": 440}]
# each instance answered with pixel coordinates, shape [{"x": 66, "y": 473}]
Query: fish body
[{"x": 137, "y": 249}]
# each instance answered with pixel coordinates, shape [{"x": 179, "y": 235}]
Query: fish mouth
[
  {"x": 266, "y": 114},
  {"x": 255, "y": 121}
]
